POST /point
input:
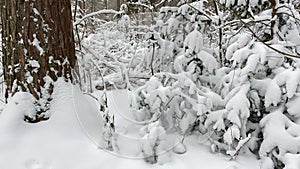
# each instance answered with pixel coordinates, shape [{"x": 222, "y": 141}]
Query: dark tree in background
[{"x": 38, "y": 47}]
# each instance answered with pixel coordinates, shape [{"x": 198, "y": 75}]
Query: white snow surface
[{"x": 70, "y": 139}]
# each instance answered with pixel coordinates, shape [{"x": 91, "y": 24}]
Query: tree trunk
[
  {"x": 118, "y": 5},
  {"x": 273, "y": 21},
  {"x": 93, "y": 6},
  {"x": 38, "y": 46},
  {"x": 105, "y": 4}
]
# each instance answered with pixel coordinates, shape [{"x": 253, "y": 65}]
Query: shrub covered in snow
[{"x": 240, "y": 107}]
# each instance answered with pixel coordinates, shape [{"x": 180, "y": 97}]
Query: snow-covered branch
[{"x": 106, "y": 11}]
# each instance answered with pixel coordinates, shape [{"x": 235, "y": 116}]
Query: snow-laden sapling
[
  {"x": 109, "y": 126},
  {"x": 153, "y": 143}
]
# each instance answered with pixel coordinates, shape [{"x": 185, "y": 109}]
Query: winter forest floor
[{"x": 69, "y": 139}]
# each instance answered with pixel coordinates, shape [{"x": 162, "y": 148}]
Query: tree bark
[
  {"x": 273, "y": 6},
  {"x": 118, "y": 5},
  {"x": 37, "y": 43}
]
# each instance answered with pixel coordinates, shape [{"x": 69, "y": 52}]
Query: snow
[
  {"x": 240, "y": 102},
  {"x": 36, "y": 43},
  {"x": 291, "y": 161},
  {"x": 273, "y": 94},
  {"x": 71, "y": 138},
  {"x": 267, "y": 163},
  {"x": 34, "y": 63},
  {"x": 180, "y": 148},
  {"x": 293, "y": 106},
  {"x": 276, "y": 126},
  {"x": 194, "y": 42},
  {"x": 251, "y": 64},
  {"x": 216, "y": 116},
  {"x": 173, "y": 24},
  {"x": 208, "y": 61},
  {"x": 43, "y": 145},
  {"x": 292, "y": 83},
  {"x": 231, "y": 133}
]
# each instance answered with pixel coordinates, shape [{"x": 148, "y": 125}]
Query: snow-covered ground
[{"x": 71, "y": 138}]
